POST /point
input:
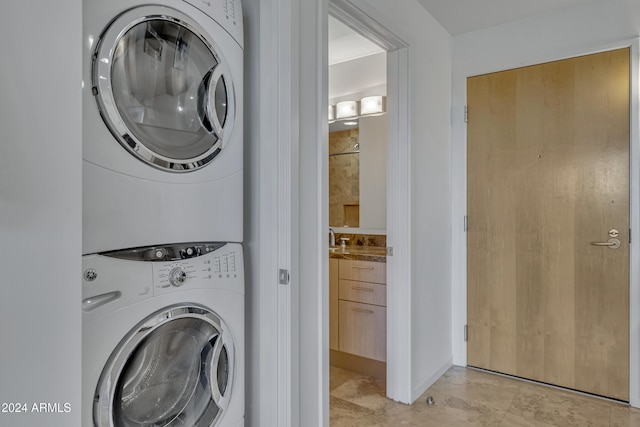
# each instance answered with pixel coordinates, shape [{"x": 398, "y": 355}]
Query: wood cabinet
[
  {"x": 358, "y": 314},
  {"x": 333, "y": 303},
  {"x": 363, "y": 330}
]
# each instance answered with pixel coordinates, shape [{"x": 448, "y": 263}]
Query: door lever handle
[{"x": 611, "y": 243}]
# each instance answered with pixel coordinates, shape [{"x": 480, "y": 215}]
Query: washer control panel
[
  {"x": 199, "y": 269},
  {"x": 123, "y": 277}
]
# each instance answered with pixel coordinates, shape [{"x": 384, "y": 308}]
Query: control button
[
  {"x": 189, "y": 252},
  {"x": 90, "y": 275},
  {"x": 177, "y": 276}
]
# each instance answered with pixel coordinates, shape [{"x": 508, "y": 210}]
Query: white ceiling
[
  {"x": 457, "y": 16},
  {"x": 356, "y": 64},
  {"x": 345, "y": 44},
  {"x": 463, "y": 16}
]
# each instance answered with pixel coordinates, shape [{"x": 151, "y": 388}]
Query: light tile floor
[{"x": 466, "y": 397}]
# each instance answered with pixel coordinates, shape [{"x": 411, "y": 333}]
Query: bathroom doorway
[
  {"x": 371, "y": 197},
  {"x": 357, "y": 211}
]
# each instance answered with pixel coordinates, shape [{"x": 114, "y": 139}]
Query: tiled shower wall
[{"x": 344, "y": 176}]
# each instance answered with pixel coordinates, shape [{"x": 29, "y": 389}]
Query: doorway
[
  {"x": 398, "y": 367},
  {"x": 357, "y": 206},
  {"x": 548, "y": 228}
]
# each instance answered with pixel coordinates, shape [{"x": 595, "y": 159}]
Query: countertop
[{"x": 359, "y": 253}]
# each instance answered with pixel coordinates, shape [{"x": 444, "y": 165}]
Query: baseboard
[{"x": 460, "y": 361}]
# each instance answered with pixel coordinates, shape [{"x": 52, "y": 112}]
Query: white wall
[
  {"x": 430, "y": 57},
  {"x": 566, "y": 33},
  {"x": 40, "y": 209}
]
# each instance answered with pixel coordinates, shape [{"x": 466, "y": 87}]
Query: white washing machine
[
  {"x": 162, "y": 122},
  {"x": 163, "y": 337}
]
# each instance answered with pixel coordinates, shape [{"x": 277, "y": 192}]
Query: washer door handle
[
  {"x": 91, "y": 303},
  {"x": 208, "y": 100},
  {"x": 217, "y": 395}
]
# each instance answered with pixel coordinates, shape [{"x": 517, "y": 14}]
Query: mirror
[
  {"x": 344, "y": 174},
  {"x": 357, "y": 173}
]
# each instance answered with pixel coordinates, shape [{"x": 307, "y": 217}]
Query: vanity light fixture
[
  {"x": 346, "y": 109},
  {"x": 371, "y": 105}
]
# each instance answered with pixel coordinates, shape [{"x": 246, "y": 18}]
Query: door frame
[
  {"x": 459, "y": 208},
  {"x": 398, "y": 231}
]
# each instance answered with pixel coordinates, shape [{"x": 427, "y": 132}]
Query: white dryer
[
  {"x": 163, "y": 340},
  {"x": 162, "y": 122}
]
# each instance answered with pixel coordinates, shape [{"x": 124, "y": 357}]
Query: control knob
[{"x": 177, "y": 276}]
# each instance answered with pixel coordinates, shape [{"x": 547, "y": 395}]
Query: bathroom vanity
[{"x": 358, "y": 313}]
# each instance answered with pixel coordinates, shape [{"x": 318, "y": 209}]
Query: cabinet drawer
[
  {"x": 364, "y": 292},
  {"x": 363, "y": 330},
  {"x": 363, "y": 271}
]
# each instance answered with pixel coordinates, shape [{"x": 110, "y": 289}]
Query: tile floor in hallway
[{"x": 466, "y": 397}]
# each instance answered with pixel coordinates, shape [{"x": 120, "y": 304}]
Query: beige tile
[
  {"x": 624, "y": 416},
  {"x": 339, "y": 376},
  {"x": 489, "y": 390},
  {"x": 447, "y": 410},
  {"x": 345, "y": 413},
  {"x": 362, "y": 391},
  {"x": 468, "y": 398},
  {"x": 374, "y": 420},
  {"x": 512, "y": 420},
  {"x": 560, "y": 408}
]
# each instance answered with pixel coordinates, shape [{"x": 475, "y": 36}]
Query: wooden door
[{"x": 548, "y": 174}]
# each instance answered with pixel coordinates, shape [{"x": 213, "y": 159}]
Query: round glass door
[
  {"x": 163, "y": 88},
  {"x": 175, "y": 369}
]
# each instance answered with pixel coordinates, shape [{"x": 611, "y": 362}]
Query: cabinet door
[
  {"x": 363, "y": 330},
  {"x": 333, "y": 303}
]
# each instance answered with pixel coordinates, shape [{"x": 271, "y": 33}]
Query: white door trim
[
  {"x": 309, "y": 221},
  {"x": 286, "y": 168},
  {"x": 274, "y": 305},
  {"x": 459, "y": 255},
  {"x": 399, "y": 354},
  {"x": 634, "y": 273}
]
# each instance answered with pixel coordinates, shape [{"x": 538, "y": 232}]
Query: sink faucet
[
  {"x": 332, "y": 237},
  {"x": 343, "y": 242}
]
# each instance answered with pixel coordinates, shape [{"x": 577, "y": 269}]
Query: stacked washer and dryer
[{"x": 163, "y": 275}]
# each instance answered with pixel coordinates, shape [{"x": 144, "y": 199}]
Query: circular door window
[
  {"x": 174, "y": 369},
  {"x": 163, "y": 88}
]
